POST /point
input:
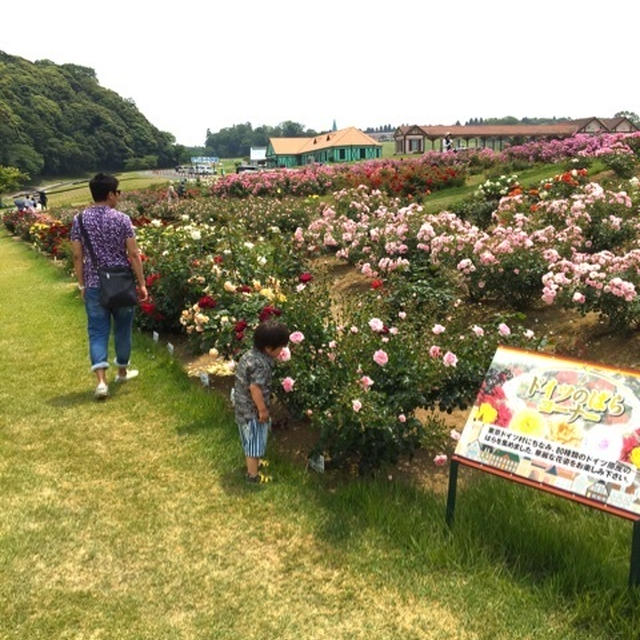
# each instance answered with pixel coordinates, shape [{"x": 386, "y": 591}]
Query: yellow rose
[
  {"x": 486, "y": 413},
  {"x": 213, "y": 353},
  {"x": 570, "y": 434},
  {"x": 529, "y": 422},
  {"x": 229, "y": 287},
  {"x": 267, "y": 293},
  {"x": 635, "y": 457}
]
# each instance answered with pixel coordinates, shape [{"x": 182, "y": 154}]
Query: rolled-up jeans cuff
[
  {"x": 100, "y": 365},
  {"x": 126, "y": 364}
]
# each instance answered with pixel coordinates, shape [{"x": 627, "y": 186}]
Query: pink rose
[
  {"x": 450, "y": 359},
  {"x": 357, "y": 405},
  {"x": 287, "y": 384},
  {"x": 376, "y": 325},
  {"x": 284, "y": 355},
  {"x": 454, "y": 435},
  {"x": 402, "y": 417},
  {"x": 578, "y": 297},
  {"x": 435, "y": 351},
  {"x": 437, "y": 329},
  {"x": 365, "y": 382},
  {"x": 296, "y": 337},
  {"x": 440, "y": 459},
  {"x": 479, "y": 331},
  {"x": 402, "y": 315},
  {"x": 380, "y": 357},
  {"x": 504, "y": 329}
]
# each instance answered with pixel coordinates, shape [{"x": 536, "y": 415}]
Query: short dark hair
[
  {"x": 270, "y": 334},
  {"x": 101, "y": 185}
]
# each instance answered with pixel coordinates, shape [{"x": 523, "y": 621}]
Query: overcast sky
[{"x": 195, "y": 65}]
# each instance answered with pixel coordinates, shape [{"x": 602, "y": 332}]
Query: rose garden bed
[{"x": 412, "y": 320}]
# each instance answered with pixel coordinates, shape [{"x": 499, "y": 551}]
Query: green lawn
[
  {"x": 129, "y": 519},
  {"x": 440, "y": 200},
  {"x": 77, "y": 195}
]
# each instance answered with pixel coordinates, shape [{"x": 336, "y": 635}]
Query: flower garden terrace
[
  {"x": 416, "y": 176},
  {"x": 416, "y": 337}
]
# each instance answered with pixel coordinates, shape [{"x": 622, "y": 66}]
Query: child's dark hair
[
  {"x": 101, "y": 185},
  {"x": 270, "y": 334}
]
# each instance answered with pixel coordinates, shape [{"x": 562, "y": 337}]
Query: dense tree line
[
  {"x": 511, "y": 120},
  {"x": 237, "y": 140},
  {"x": 57, "y": 119},
  {"x": 384, "y": 128}
]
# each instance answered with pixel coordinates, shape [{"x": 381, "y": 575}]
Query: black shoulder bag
[{"x": 117, "y": 284}]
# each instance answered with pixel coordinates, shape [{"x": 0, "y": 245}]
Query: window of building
[
  {"x": 363, "y": 153},
  {"x": 341, "y": 154}
]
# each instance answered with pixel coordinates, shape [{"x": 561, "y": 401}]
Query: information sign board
[{"x": 569, "y": 426}]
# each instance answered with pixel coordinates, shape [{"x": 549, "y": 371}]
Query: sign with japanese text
[
  {"x": 562, "y": 423},
  {"x": 204, "y": 160}
]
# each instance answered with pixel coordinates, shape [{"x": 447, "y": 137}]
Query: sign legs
[
  {"x": 451, "y": 497},
  {"x": 634, "y": 569}
]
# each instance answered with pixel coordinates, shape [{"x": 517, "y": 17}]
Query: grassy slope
[{"x": 79, "y": 195}]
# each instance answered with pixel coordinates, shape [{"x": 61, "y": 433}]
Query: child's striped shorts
[{"x": 253, "y": 435}]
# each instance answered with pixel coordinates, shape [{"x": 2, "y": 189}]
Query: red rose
[
  {"x": 154, "y": 277},
  {"x": 207, "y": 302},
  {"x": 377, "y": 283},
  {"x": 239, "y": 335},
  {"x": 245, "y": 288},
  {"x": 305, "y": 277},
  {"x": 148, "y": 307},
  {"x": 240, "y": 326},
  {"x": 218, "y": 259},
  {"x": 269, "y": 311}
]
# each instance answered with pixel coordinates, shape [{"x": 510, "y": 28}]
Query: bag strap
[{"x": 85, "y": 235}]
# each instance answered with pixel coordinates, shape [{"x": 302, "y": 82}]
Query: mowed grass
[
  {"x": 129, "y": 518},
  {"x": 78, "y": 195}
]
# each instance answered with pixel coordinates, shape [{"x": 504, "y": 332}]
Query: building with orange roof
[
  {"x": 421, "y": 138},
  {"x": 344, "y": 145}
]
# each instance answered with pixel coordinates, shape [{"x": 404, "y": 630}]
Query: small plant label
[
  {"x": 317, "y": 463},
  {"x": 204, "y": 378},
  {"x": 170, "y": 348},
  {"x": 156, "y": 336}
]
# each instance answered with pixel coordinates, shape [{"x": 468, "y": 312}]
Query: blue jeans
[{"x": 99, "y": 327}]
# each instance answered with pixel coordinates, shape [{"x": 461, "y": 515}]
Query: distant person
[
  {"x": 20, "y": 202},
  {"x": 172, "y": 196},
  {"x": 42, "y": 198},
  {"x": 182, "y": 188},
  {"x": 114, "y": 243},
  {"x": 252, "y": 394},
  {"x": 448, "y": 143}
]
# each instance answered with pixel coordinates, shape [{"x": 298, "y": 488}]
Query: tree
[
  {"x": 11, "y": 178},
  {"x": 58, "y": 119},
  {"x": 631, "y": 115}
]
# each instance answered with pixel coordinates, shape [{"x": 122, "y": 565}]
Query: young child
[{"x": 252, "y": 391}]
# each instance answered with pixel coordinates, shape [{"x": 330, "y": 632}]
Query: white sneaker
[
  {"x": 102, "y": 390},
  {"x": 131, "y": 374}
]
